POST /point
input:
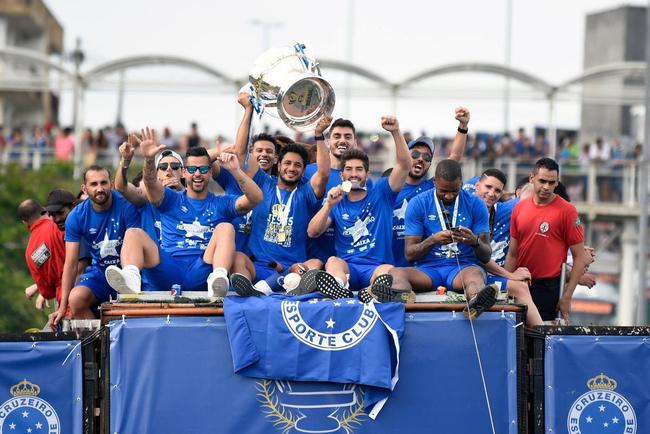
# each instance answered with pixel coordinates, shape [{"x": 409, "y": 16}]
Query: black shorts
[{"x": 546, "y": 295}]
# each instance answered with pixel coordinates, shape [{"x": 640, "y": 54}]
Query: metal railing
[{"x": 606, "y": 182}]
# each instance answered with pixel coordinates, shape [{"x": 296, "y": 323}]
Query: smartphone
[{"x": 455, "y": 229}]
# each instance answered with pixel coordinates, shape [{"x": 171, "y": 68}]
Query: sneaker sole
[
  {"x": 328, "y": 286},
  {"x": 307, "y": 283},
  {"x": 220, "y": 287},
  {"x": 243, "y": 286},
  {"x": 117, "y": 282},
  {"x": 474, "y": 311}
]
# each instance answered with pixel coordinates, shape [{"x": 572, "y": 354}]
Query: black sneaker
[
  {"x": 381, "y": 288},
  {"x": 328, "y": 286},
  {"x": 307, "y": 283},
  {"x": 483, "y": 300},
  {"x": 243, "y": 286}
]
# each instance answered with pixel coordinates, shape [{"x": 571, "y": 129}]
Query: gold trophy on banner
[{"x": 286, "y": 81}]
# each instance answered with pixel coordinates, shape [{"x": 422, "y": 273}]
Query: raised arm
[
  {"x": 67, "y": 281},
  {"x": 241, "y": 140},
  {"x": 150, "y": 147},
  {"x": 252, "y": 194},
  {"x": 321, "y": 220},
  {"x": 458, "y": 146},
  {"x": 132, "y": 193},
  {"x": 397, "y": 177},
  {"x": 319, "y": 180}
]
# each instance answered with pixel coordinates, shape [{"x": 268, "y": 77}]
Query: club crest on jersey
[
  {"x": 25, "y": 412},
  {"x": 329, "y": 335},
  {"x": 543, "y": 228},
  {"x": 601, "y": 409}
]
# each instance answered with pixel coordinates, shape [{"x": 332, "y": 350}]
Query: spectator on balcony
[
  {"x": 38, "y": 139},
  {"x": 64, "y": 144},
  {"x": 540, "y": 148},
  {"x": 522, "y": 143}
]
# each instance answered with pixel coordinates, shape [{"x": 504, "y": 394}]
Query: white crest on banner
[{"x": 25, "y": 412}]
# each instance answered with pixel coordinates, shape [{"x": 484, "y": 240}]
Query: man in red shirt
[
  {"x": 45, "y": 252},
  {"x": 543, "y": 227}
]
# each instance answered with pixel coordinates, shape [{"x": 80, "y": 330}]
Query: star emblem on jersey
[
  {"x": 400, "y": 213},
  {"x": 195, "y": 229},
  {"x": 360, "y": 229},
  {"x": 108, "y": 247}
]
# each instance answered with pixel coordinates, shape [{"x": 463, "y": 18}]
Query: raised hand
[
  {"x": 150, "y": 146},
  {"x": 230, "y": 162},
  {"x": 461, "y": 114},
  {"x": 322, "y": 125},
  {"x": 127, "y": 148},
  {"x": 390, "y": 123},
  {"x": 244, "y": 96},
  {"x": 334, "y": 196}
]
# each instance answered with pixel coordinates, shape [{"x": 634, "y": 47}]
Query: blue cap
[{"x": 424, "y": 140}]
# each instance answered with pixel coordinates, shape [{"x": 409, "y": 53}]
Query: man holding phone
[{"x": 447, "y": 238}]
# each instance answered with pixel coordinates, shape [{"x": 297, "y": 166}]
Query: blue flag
[
  {"x": 309, "y": 338},
  {"x": 597, "y": 384},
  {"x": 41, "y": 387}
]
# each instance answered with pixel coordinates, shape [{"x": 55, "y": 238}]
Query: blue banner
[
  {"x": 597, "y": 384},
  {"x": 175, "y": 375},
  {"x": 41, "y": 387},
  {"x": 309, "y": 338}
]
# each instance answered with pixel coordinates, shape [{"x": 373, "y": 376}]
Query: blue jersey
[
  {"x": 279, "y": 224},
  {"x": 423, "y": 219},
  {"x": 242, "y": 224},
  {"x": 103, "y": 231},
  {"x": 407, "y": 193},
  {"x": 323, "y": 246},
  {"x": 150, "y": 221},
  {"x": 363, "y": 229},
  {"x": 188, "y": 224},
  {"x": 501, "y": 230},
  {"x": 470, "y": 184}
]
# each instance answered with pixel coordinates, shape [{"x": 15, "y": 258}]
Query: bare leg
[
  {"x": 221, "y": 248},
  {"x": 519, "y": 290},
  {"x": 244, "y": 266},
  {"x": 382, "y": 269},
  {"x": 338, "y": 268},
  {"x": 470, "y": 279},
  {"x": 410, "y": 278},
  {"x": 139, "y": 250},
  {"x": 81, "y": 299}
]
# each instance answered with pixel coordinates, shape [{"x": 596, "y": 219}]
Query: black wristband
[
  {"x": 462, "y": 130},
  {"x": 321, "y": 137}
]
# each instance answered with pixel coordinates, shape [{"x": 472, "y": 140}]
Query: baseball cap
[
  {"x": 59, "y": 198},
  {"x": 424, "y": 140},
  {"x": 168, "y": 153}
]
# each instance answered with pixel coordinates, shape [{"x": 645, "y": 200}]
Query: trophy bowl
[{"x": 287, "y": 83}]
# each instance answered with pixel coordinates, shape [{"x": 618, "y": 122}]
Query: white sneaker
[
  {"x": 123, "y": 281},
  {"x": 218, "y": 284}
]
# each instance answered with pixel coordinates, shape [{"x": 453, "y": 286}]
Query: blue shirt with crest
[
  {"x": 422, "y": 220},
  {"x": 407, "y": 193},
  {"x": 103, "y": 231}
]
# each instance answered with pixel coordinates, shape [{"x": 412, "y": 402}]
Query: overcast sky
[{"x": 393, "y": 39}]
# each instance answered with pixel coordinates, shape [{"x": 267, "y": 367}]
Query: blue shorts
[
  {"x": 444, "y": 275},
  {"x": 360, "y": 275},
  {"x": 189, "y": 271},
  {"x": 500, "y": 282},
  {"x": 262, "y": 270},
  {"x": 95, "y": 280}
]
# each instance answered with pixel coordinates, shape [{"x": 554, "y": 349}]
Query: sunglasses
[
  {"x": 425, "y": 156},
  {"x": 164, "y": 166},
  {"x": 202, "y": 169}
]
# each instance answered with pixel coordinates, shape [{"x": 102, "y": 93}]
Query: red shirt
[
  {"x": 45, "y": 255},
  {"x": 544, "y": 234}
]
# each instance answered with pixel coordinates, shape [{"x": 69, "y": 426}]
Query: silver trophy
[{"x": 287, "y": 82}]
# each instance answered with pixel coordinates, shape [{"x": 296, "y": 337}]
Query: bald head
[{"x": 29, "y": 210}]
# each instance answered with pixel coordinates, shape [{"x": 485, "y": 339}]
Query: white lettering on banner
[{"x": 328, "y": 341}]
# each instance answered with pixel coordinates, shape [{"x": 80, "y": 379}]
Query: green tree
[{"x": 17, "y": 184}]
